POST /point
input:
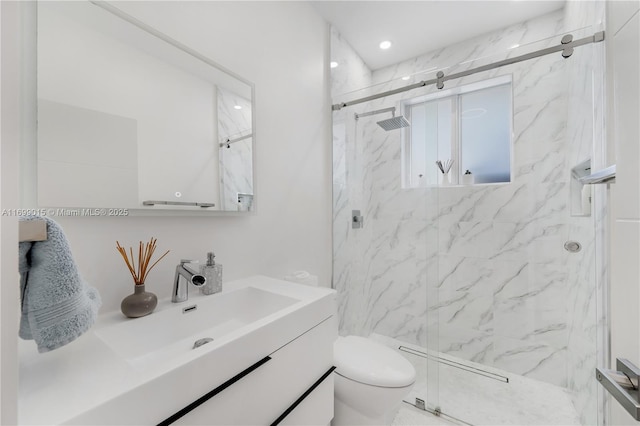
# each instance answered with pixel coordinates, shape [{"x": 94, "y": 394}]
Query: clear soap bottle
[{"x": 213, "y": 273}]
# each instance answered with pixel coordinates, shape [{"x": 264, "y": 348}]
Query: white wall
[
  {"x": 283, "y": 48},
  {"x": 280, "y": 46},
  {"x": 623, "y": 134},
  {"x": 10, "y": 132}
]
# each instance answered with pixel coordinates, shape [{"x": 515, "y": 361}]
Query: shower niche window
[{"x": 468, "y": 128}]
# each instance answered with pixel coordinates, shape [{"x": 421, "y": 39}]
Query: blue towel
[{"x": 57, "y": 305}]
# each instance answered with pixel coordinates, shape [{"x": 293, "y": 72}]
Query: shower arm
[
  {"x": 378, "y": 111},
  {"x": 392, "y": 123}
]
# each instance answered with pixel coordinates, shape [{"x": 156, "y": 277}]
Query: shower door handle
[{"x": 622, "y": 385}]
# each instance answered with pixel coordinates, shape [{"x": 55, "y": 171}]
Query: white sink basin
[{"x": 172, "y": 332}]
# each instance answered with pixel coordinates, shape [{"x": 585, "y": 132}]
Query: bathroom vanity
[{"x": 264, "y": 356}]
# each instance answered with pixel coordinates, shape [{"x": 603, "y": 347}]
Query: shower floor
[{"x": 481, "y": 399}]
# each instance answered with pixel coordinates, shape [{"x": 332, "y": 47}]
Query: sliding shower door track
[
  {"x": 455, "y": 364},
  {"x": 440, "y": 414}
]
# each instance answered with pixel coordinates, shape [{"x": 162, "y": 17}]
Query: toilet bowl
[{"x": 370, "y": 382}]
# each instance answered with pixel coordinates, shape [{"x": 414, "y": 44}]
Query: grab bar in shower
[
  {"x": 607, "y": 175},
  {"x": 622, "y": 385}
]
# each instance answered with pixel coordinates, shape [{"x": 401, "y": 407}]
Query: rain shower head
[{"x": 392, "y": 123}]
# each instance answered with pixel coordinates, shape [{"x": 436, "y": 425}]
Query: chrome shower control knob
[{"x": 356, "y": 219}]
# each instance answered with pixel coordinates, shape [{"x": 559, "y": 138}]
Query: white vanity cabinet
[
  {"x": 269, "y": 361},
  {"x": 293, "y": 385}
]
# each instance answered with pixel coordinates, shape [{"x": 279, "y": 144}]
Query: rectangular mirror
[{"x": 129, "y": 118}]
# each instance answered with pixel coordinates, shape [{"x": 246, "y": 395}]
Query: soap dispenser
[{"x": 213, "y": 274}]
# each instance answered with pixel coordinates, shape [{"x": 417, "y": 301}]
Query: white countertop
[{"x": 86, "y": 381}]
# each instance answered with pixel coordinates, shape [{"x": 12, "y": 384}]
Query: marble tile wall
[
  {"x": 350, "y": 261},
  {"x": 351, "y": 74},
  {"x": 236, "y": 162},
  {"x": 478, "y": 272}
]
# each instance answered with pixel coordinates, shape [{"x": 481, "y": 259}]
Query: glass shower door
[
  {"x": 381, "y": 268},
  {"x": 424, "y": 143},
  {"x": 519, "y": 316}
]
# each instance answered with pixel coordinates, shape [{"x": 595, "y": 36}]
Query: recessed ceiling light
[
  {"x": 385, "y": 45},
  {"x": 334, "y": 64},
  {"x": 238, "y": 107},
  {"x": 514, "y": 46},
  {"x": 406, "y": 77}
]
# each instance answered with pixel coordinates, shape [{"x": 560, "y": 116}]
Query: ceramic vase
[
  {"x": 446, "y": 181},
  {"x": 140, "y": 303}
]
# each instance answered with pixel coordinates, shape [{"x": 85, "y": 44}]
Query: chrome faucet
[{"x": 181, "y": 291}]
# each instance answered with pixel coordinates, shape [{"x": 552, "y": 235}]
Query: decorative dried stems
[
  {"x": 444, "y": 168},
  {"x": 145, "y": 252}
]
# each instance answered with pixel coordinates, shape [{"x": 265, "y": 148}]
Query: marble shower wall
[
  {"x": 478, "y": 272},
  {"x": 236, "y": 162},
  {"x": 350, "y": 263}
]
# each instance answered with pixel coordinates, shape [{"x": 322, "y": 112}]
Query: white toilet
[{"x": 370, "y": 382}]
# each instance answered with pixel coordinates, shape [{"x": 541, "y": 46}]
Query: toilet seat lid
[{"x": 365, "y": 361}]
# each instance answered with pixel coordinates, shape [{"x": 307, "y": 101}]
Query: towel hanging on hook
[{"x": 57, "y": 305}]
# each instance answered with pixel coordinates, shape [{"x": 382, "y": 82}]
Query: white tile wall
[
  {"x": 626, "y": 106},
  {"x": 623, "y": 47}
]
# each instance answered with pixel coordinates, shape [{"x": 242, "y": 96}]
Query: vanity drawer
[
  {"x": 316, "y": 408},
  {"x": 262, "y": 395}
]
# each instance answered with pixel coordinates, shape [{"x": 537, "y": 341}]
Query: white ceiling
[{"x": 416, "y": 27}]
